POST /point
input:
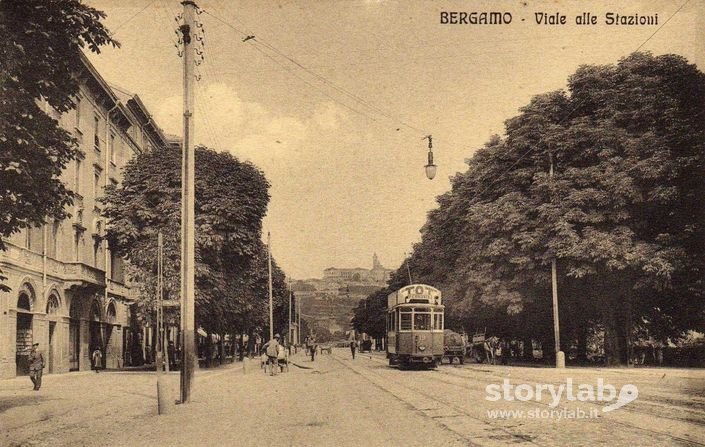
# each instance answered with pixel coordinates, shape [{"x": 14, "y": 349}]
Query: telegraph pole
[
  {"x": 271, "y": 310},
  {"x": 164, "y": 400},
  {"x": 560, "y": 356},
  {"x": 289, "y": 337},
  {"x": 188, "y": 190}
]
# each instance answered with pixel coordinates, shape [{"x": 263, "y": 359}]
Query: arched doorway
[
  {"x": 74, "y": 335},
  {"x": 52, "y": 313},
  {"x": 24, "y": 331},
  {"x": 111, "y": 318},
  {"x": 97, "y": 336}
]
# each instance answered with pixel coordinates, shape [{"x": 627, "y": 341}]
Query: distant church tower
[{"x": 375, "y": 262}]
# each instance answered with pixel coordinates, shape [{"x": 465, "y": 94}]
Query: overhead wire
[
  {"x": 291, "y": 71},
  {"x": 209, "y": 128},
  {"x": 114, "y": 31},
  {"x": 356, "y": 98}
]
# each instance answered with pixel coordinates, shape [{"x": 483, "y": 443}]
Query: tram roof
[
  {"x": 415, "y": 294},
  {"x": 417, "y": 305}
]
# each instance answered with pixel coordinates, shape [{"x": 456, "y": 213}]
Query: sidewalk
[{"x": 320, "y": 403}]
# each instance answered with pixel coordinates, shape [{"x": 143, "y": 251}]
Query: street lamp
[{"x": 430, "y": 167}]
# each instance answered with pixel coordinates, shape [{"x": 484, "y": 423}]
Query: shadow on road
[{"x": 20, "y": 401}]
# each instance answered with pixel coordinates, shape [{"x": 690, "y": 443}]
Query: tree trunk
[
  {"x": 615, "y": 352},
  {"x": 250, "y": 342},
  {"x": 528, "y": 351},
  {"x": 242, "y": 346},
  {"x": 209, "y": 350},
  {"x": 581, "y": 336},
  {"x": 222, "y": 348}
]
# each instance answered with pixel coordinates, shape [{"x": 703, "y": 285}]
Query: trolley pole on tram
[{"x": 188, "y": 190}]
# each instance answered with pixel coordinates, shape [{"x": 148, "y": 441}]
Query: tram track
[
  {"x": 612, "y": 419},
  {"x": 683, "y": 440},
  {"x": 473, "y": 430},
  {"x": 637, "y": 408}
]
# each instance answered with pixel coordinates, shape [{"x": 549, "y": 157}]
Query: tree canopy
[
  {"x": 622, "y": 213},
  {"x": 231, "y": 260}
]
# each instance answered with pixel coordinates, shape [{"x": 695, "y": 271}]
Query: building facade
[
  {"x": 69, "y": 292},
  {"x": 377, "y": 274}
]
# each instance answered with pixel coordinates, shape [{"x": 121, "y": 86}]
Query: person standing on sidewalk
[
  {"x": 36, "y": 366},
  {"x": 97, "y": 358},
  {"x": 353, "y": 346}
]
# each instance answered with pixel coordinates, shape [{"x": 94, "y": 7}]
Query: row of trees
[
  {"x": 623, "y": 215},
  {"x": 231, "y": 260}
]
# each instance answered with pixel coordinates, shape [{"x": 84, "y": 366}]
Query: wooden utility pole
[
  {"x": 188, "y": 190},
  {"x": 271, "y": 303},
  {"x": 164, "y": 400},
  {"x": 560, "y": 356},
  {"x": 297, "y": 310},
  {"x": 289, "y": 338}
]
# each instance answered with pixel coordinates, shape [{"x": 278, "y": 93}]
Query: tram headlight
[{"x": 422, "y": 348}]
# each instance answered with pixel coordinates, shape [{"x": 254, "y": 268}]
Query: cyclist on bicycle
[{"x": 271, "y": 348}]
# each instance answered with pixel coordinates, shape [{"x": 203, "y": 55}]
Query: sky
[{"x": 332, "y": 99}]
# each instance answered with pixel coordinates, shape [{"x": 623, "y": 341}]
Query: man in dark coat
[
  {"x": 353, "y": 345},
  {"x": 36, "y": 366}
]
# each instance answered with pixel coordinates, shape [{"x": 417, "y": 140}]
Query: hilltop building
[
  {"x": 329, "y": 302},
  {"x": 377, "y": 274}
]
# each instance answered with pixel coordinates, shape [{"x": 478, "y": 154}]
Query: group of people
[
  {"x": 276, "y": 353},
  {"x": 37, "y": 364}
]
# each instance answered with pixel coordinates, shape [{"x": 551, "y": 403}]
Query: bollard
[
  {"x": 560, "y": 359},
  {"x": 245, "y": 365},
  {"x": 164, "y": 397}
]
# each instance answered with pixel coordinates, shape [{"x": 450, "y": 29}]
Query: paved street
[{"x": 338, "y": 401}]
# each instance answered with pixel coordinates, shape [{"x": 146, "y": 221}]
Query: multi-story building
[
  {"x": 68, "y": 289},
  {"x": 377, "y": 274},
  {"x": 329, "y": 302}
]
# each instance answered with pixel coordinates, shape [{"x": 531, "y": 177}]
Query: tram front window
[
  {"x": 405, "y": 321},
  {"x": 422, "y": 322}
]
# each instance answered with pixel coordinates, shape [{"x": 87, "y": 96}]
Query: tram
[{"x": 415, "y": 326}]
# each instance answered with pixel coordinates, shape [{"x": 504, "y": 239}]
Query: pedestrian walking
[
  {"x": 271, "y": 349},
  {"x": 353, "y": 346},
  {"x": 97, "y": 358},
  {"x": 36, "y": 366},
  {"x": 312, "y": 347},
  {"x": 171, "y": 352}
]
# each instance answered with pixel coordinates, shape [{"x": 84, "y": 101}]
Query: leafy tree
[
  {"x": 370, "y": 315},
  {"x": 622, "y": 214},
  {"x": 231, "y": 200},
  {"x": 40, "y": 55}
]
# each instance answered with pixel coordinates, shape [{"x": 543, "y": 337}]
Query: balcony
[
  {"x": 74, "y": 274},
  {"x": 78, "y": 274},
  {"x": 119, "y": 289}
]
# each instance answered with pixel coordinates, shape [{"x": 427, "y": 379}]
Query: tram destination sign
[{"x": 415, "y": 293}]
